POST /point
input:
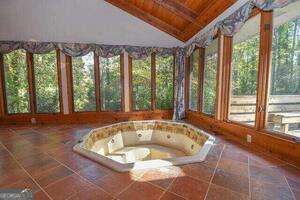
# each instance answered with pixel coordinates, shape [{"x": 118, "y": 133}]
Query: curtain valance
[
  {"x": 78, "y": 49},
  {"x": 234, "y": 22}
]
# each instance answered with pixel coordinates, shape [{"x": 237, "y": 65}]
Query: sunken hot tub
[{"x": 145, "y": 144}]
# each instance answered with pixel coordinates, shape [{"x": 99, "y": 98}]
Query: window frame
[
  {"x": 153, "y": 79},
  {"x": 200, "y": 79},
  {"x": 58, "y": 68},
  {"x": 3, "y": 86},
  {"x": 69, "y": 63},
  {"x": 98, "y": 84},
  {"x": 217, "y": 37},
  {"x": 153, "y": 74},
  {"x": 201, "y": 68},
  {"x": 132, "y": 100},
  {"x": 253, "y": 14},
  {"x": 268, "y": 28}
]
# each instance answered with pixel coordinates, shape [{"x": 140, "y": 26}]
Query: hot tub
[{"x": 145, "y": 144}]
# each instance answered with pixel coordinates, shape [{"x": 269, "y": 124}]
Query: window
[
  {"x": 141, "y": 83},
  {"x": 164, "y": 82},
  {"x": 46, "y": 83},
  {"x": 210, "y": 78},
  {"x": 110, "y": 83},
  {"x": 194, "y": 80},
  {"x": 83, "y": 83},
  {"x": 284, "y": 94},
  {"x": 16, "y": 82},
  {"x": 245, "y": 57}
]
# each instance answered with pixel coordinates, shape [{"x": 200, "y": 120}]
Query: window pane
[
  {"x": 16, "y": 82},
  {"x": 141, "y": 83},
  {"x": 164, "y": 82},
  {"x": 83, "y": 83},
  {"x": 46, "y": 82},
  {"x": 110, "y": 91},
  {"x": 284, "y": 98},
  {"x": 210, "y": 78},
  {"x": 194, "y": 80},
  {"x": 244, "y": 72}
]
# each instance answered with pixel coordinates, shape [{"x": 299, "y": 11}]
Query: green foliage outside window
[
  {"x": 194, "y": 80},
  {"x": 16, "y": 82},
  {"x": 285, "y": 70},
  {"x": 46, "y": 82},
  {"x": 110, "y": 86},
  {"x": 83, "y": 83},
  {"x": 164, "y": 82},
  {"x": 210, "y": 83},
  {"x": 141, "y": 83},
  {"x": 245, "y": 66}
]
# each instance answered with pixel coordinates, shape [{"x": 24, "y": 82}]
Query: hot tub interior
[{"x": 136, "y": 141}]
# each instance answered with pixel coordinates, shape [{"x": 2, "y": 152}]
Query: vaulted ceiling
[{"x": 179, "y": 18}]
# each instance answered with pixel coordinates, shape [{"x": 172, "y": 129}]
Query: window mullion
[
  {"x": 131, "y": 99},
  {"x": 122, "y": 77},
  {"x": 153, "y": 81},
  {"x": 31, "y": 82},
  {"x": 201, "y": 78},
  {"x": 97, "y": 81},
  {"x": 226, "y": 78},
  {"x": 264, "y": 68},
  {"x": 3, "y": 110},
  {"x": 58, "y": 67},
  {"x": 69, "y": 83}
]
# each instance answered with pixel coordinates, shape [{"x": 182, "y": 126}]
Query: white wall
[{"x": 86, "y": 21}]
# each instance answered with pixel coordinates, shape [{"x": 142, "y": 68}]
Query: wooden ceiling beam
[
  {"x": 154, "y": 21},
  {"x": 203, "y": 19},
  {"x": 178, "y": 9}
]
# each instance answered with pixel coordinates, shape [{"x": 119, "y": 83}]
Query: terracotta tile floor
[{"x": 41, "y": 158}]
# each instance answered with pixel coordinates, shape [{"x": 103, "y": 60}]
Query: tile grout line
[
  {"x": 129, "y": 185},
  {"x": 27, "y": 172},
  {"x": 58, "y": 180},
  {"x": 166, "y": 190},
  {"x": 81, "y": 176},
  {"x": 210, "y": 182},
  {"x": 290, "y": 187}
]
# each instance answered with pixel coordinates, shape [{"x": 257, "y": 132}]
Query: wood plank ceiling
[{"x": 179, "y": 18}]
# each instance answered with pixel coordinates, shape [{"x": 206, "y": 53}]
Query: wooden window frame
[
  {"x": 265, "y": 51},
  {"x": 218, "y": 102},
  {"x": 224, "y": 84},
  {"x": 200, "y": 80},
  {"x": 97, "y": 66},
  {"x": 227, "y": 59},
  {"x": 131, "y": 103},
  {"x": 132, "y": 100},
  {"x": 153, "y": 81},
  {"x": 31, "y": 87},
  {"x": 122, "y": 77},
  {"x": 153, "y": 74},
  {"x": 32, "y": 80},
  {"x": 4, "y": 108},
  {"x": 69, "y": 66}
]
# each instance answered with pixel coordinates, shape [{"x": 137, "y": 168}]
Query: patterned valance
[
  {"x": 234, "y": 22},
  {"x": 78, "y": 49}
]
